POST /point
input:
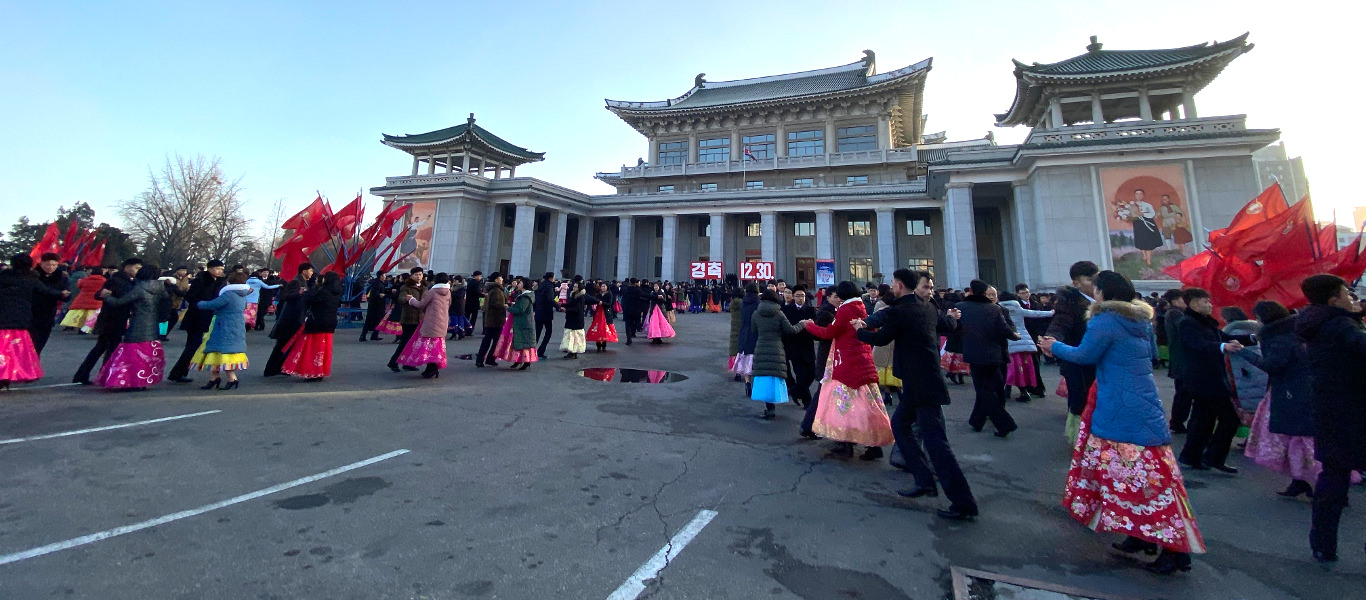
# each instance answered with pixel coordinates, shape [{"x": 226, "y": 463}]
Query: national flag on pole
[
  {"x": 312, "y": 214},
  {"x": 1267, "y": 205},
  {"x": 750, "y": 155},
  {"x": 94, "y": 256},
  {"x": 1254, "y": 240},
  {"x": 349, "y": 217}
]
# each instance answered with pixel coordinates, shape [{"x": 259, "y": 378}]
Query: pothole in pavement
[{"x": 622, "y": 375}]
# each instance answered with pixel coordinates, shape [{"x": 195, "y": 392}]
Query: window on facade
[
  {"x": 714, "y": 150},
  {"x": 759, "y": 146},
  {"x": 509, "y": 216},
  {"x": 754, "y": 185},
  {"x": 703, "y": 229},
  {"x": 917, "y": 227},
  {"x": 659, "y": 266},
  {"x": 754, "y": 229},
  {"x": 709, "y": 187},
  {"x": 853, "y": 139},
  {"x": 666, "y": 189},
  {"x": 860, "y": 228},
  {"x": 805, "y": 228},
  {"x": 659, "y": 228},
  {"x": 861, "y": 269},
  {"x": 803, "y": 183},
  {"x": 542, "y": 223},
  {"x": 673, "y": 153},
  {"x": 921, "y": 264},
  {"x": 856, "y": 180},
  {"x": 806, "y": 143}
]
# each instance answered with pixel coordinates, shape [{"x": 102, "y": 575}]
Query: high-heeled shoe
[
  {"x": 514, "y": 366},
  {"x": 1297, "y": 487},
  {"x": 524, "y": 367},
  {"x": 872, "y": 453},
  {"x": 1169, "y": 562},
  {"x": 231, "y": 385},
  {"x": 213, "y": 383},
  {"x": 431, "y": 374}
]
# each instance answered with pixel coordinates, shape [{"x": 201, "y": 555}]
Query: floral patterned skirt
[
  {"x": 951, "y": 362},
  {"x": 18, "y": 360},
  {"x": 601, "y": 330},
  {"x": 1291, "y": 455},
  {"x": 743, "y": 364},
  {"x": 505, "y": 351},
  {"x": 310, "y": 355},
  {"x": 573, "y": 341},
  {"x": 422, "y": 351},
  {"x": 846, "y": 414},
  {"x": 133, "y": 365},
  {"x": 249, "y": 313},
  {"x": 1130, "y": 489},
  {"x": 389, "y": 327}
]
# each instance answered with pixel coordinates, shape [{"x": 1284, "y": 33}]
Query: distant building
[{"x": 1272, "y": 165}]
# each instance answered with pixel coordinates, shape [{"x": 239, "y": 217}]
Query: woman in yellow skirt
[{"x": 224, "y": 350}]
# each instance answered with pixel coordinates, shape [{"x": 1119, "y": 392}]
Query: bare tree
[
  {"x": 270, "y": 234},
  {"x": 188, "y": 212}
]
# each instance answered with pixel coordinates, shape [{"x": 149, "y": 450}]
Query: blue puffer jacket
[
  {"x": 229, "y": 333},
  {"x": 1119, "y": 341}
]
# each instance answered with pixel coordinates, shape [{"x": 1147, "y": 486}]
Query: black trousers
[
  {"x": 1079, "y": 379},
  {"x": 801, "y": 374},
  {"x": 933, "y": 443},
  {"x": 1212, "y": 428},
  {"x": 1038, "y": 375},
  {"x": 193, "y": 339},
  {"x": 472, "y": 314},
  {"x": 276, "y": 362},
  {"x": 809, "y": 420},
  {"x": 40, "y": 335},
  {"x": 490, "y": 341},
  {"x": 104, "y": 348},
  {"x": 989, "y": 381},
  {"x": 1181, "y": 404},
  {"x": 632, "y": 324},
  {"x": 548, "y": 326},
  {"x": 1330, "y": 497},
  {"x": 408, "y": 331}
]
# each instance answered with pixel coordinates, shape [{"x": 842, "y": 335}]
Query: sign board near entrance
[
  {"x": 756, "y": 270},
  {"x": 706, "y": 270},
  {"x": 825, "y": 273}
]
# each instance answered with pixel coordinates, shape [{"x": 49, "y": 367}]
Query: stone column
[
  {"x": 1145, "y": 108},
  {"x": 1188, "y": 104},
  {"x": 692, "y": 149},
  {"x": 736, "y": 151},
  {"x": 585, "y": 254},
  {"x": 884, "y": 133},
  {"x": 1055, "y": 109},
  {"x": 831, "y": 140},
  {"x": 431, "y": 164},
  {"x": 717, "y": 240},
  {"x": 625, "y": 247},
  {"x": 465, "y": 162},
  {"x": 559, "y": 229},
  {"x": 522, "y": 231},
  {"x": 780, "y": 139},
  {"x": 1097, "y": 115},
  {"x": 886, "y": 242},
  {"x": 668, "y": 255},
  {"x": 1022, "y": 213},
  {"x": 653, "y": 155},
  {"x": 492, "y": 225},
  {"x": 768, "y": 236},
  {"x": 450, "y": 167},
  {"x": 825, "y": 235},
  {"x": 960, "y": 236},
  {"x": 512, "y": 171},
  {"x": 416, "y": 164}
]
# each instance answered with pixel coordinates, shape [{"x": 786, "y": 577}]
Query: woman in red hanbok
[
  {"x": 602, "y": 331},
  {"x": 850, "y": 408}
]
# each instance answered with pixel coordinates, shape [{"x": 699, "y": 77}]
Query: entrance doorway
[
  {"x": 503, "y": 267},
  {"x": 806, "y": 271}
]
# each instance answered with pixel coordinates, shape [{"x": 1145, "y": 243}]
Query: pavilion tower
[{"x": 466, "y": 148}]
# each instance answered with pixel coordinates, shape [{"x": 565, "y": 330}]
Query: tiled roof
[
  {"x": 1098, "y": 61},
  {"x": 450, "y": 134}
]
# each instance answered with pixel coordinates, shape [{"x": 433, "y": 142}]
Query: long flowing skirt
[
  {"x": 91, "y": 321},
  {"x": 1129, "y": 489},
  {"x": 389, "y": 327},
  {"x": 422, "y": 351},
  {"x": 769, "y": 389},
  {"x": 504, "y": 350},
  {"x": 76, "y": 317},
  {"x": 133, "y": 365},
  {"x": 18, "y": 359},
  {"x": 601, "y": 330},
  {"x": 659, "y": 325},
  {"x": 1020, "y": 371},
  {"x": 743, "y": 364},
  {"x": 249, "y": 313},
  {"x": 458, "y": 323},
  {"x": 310, "y": 355},
  {"x": 712, "y": 306},
  {"x": 1291, "y": 455},
  {"x": 846, "y": 414},
  {"x": 574, "y": 341}
]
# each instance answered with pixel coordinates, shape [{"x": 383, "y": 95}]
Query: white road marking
[
  {"x": 103, "y": 535},
  {"x": 635, "y": 584},
  {"x": 42, "y": 387},
  {"x": 105, "y": 428}
]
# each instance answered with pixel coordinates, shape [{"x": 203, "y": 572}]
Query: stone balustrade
[{"x": 1136, "y": 129}]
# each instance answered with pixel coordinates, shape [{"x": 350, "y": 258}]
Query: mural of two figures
[{"x": 1148, "y": 219}]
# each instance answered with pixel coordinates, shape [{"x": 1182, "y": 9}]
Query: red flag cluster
[
  {"x": 1266, "y": 251},
  {"x": 317, "y": 227},
  {"x": 77, "y": 246}
]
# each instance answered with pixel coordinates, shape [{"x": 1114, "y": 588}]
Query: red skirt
[
  {"x": 310, "y": 355},
  {"x": 133, "y": 365},
  {"x": 18, "y": 359},
  {"x": 1020, "y": 371},
  {"x": 1129, "y": 489},
  {"x": 601, "y": 330}
]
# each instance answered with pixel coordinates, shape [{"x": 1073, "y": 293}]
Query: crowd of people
[{"x": 1285, "y": 382}]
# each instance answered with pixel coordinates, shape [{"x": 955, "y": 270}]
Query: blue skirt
[
  {"x": 458, "y": 323},
  {"x": 769, "y": 389}
]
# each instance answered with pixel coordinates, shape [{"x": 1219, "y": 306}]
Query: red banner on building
[{"x": 705, "y": 270}]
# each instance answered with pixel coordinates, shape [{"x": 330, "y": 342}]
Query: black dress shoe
[
  {"x": 1324, "y": 556},
  {"x": 1169, "y": 562},
  {"x": 1193, "y": 466},
  {"x": 1003, "y": 433},
  {"x": 872, "y": 453},
  {"x": 181, "y": 380},
  {"x": 1132, "y": 544},
  {"x": 1225, "y": 469},
  {"x": 808, "y": 434},
  {"x": 919, "y": 492},
  {"x": 408, "y": 368},
  {"x": 393, "y": 367},
  {"x": 957, "y": 514},
  {"x": 1297, "y": 487}
]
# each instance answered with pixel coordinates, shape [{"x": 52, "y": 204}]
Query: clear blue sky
[{"x": 294, "y": 96}]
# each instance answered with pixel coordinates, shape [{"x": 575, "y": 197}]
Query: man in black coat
[
  {"x": 634, "y": 302},
  {"x": 112, "y": 322},
  {"x": 472, "y": 298},
  {"x": 267, "y": 297},
  {"x": 1069, "y": 325},
  {"x": 1215, "y": 420},
  {"x": 289, "y": 317},
  {"x": 825, "y": 316},
  {"x": 915, "y": 324},
  {"x": 50, "y": 274},
  {"x": 375, "y": 291},
  {"x": 1336, "y": 348},
  {"x": 1171, "y": 324},
  {"x": 985, "y": 334},
  {"x": 195, "y": 323},
  {"x": 800, "y": 348},
  {"x": 543, "y": 308}
]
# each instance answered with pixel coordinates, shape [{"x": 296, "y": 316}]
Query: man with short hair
[
  {"x": 112, "y": 322},
  {"x": 986, "y": 332},
  {"x": 545, "y": 306},
  {"x": 495, "y": 314},
  {"x": 1069, "y": 326},
  {"x": 1203, "y": 348},
  {"x": 472, "y": 298},
  {"x": 634, "y": 303},
  {"x": 1171, "y": 325},
  {"x": 44, "y": 308},
  {"x": 289, "y": 317},
  {"x": 800, "y": 348}
]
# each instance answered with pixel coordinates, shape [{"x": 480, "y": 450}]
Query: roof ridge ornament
[
  {"x": 470, "y": 122},
  {"x": 869, "y": 60},
  {"x": 1094, "y": 46},
  {"x": 700, "y": 81}
]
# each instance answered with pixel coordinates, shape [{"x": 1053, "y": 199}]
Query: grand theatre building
[{"x": 834, "y": 165}]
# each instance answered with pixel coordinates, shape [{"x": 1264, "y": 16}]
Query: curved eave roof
[
  {"x": 460, "y": 134},
  {"x": 1105, "y": 66},
  {"x": 843, "y": 80}
]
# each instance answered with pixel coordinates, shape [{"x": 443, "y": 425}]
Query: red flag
[
  {"x": 1268, "y": 204},
  {"x": 1253, "y": 241},
  {"x": 94, "y": 256},
  {"x": 1191, "y": 269},
  {"x": 69, "y": 241},
  {"x": 1328, "y": 240},
  {"x": 312, "y": 214},
  {"x": 49, "y": 243},
  {"x": 349, "y": 217},
  {"x": 1350, "y": 261}
]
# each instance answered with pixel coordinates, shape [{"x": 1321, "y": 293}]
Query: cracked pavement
[{"x": 541, "y": 484}]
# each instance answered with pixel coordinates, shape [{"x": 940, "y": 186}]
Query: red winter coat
[
  {"x": 853, "y": 359},
  {"x": 85, "y": 299}
]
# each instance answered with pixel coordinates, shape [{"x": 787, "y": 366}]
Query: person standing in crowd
[
  {"x": 951, "y": 359},
  {"x": 195, "y": 322},
  {"x": 574, "y": 341},
  {"x": 658, "y": 325},
  {"x": 1335, "y": 345},
  {"x": 474, "y": 300},
  {"x": 19, "y": 287},
  {"x": 266, "y": 296},
  {"x": 735, "y": 321},
  {"x": 375, "y": 293},
  {"x": 1215, "y": 421},
  {"x": 1283, "y": 428},
  {"x": 1023, "y": 371},
  {"x": 985, "y": 337},
  {"x": 1070, "y": 307},
  {"x": 770, "y": 360},
  {"x": 744, "y": 354},
  {"x": 825, "y": 317},
  {"x": 224, "y": 352},
  {"x": 112, "y": 321},
  {"x": 86, "y": 305},
  {"x": 603, "y": 331},
  {"x": 495, "y": 316},
  {"x": 1176, "y": 363},
  {"x": 914, "y": 323},
  {"x": 409, "y": 316},
  {"x": 51, "y": 274},
  {"x": 458, "y": 326},
  {"x": 887, "y": 381},
  {"x": 390, "y": 324},
  {"x": 1249, "y": 380},
  {"x": 139, "y": 361},
  {"x": 289, "y": 318},
  {"x": 518, "y": 342},
  {"x": 1123, "y": 476},
  {"x": 1034, "y": 328},
  {"x": 544, "y": 305},
  {"x": 253, "y": 310},
  {"x": 800, "y": 348},
  {"x": 633, "y": 303},
  {"x": 310, "y": 350},
  {"x": 428, "y": 347},
  {"x": 850, "y": 409}
]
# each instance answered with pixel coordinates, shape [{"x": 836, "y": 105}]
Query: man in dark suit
[
  {"x": 800, "y": 348},
  {"x": 53, "y": 275},
  {"x": 472, "y": 298},
  {"x": 1069, "y": 326},
  {"x": 112, "y": 322},
  {"x": 544, "y": 308},
  {"x": 1215, "y": 421},
  {"x": 289, "y": 317},
  {"x": 634, "y": 301},
  {"x": 985, "y": 333}
]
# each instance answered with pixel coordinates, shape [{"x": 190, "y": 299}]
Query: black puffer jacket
[
  {"x": 113, "y": 319},
  {"x": 1336, "y": 347},
  {"x": 142, "y": 303},
  {"x": 320, "y": 308},
  {"x": 45, "y": 306},
  {"x": 1285, "y": 362},
  {"x": 17, "y": 290},
  {"x": 769, "y": 325},
  {"x": 573, "y": 310}
]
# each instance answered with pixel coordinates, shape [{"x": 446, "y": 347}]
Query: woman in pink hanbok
[
  {"x": 850, "y": 408},
  {"x": 658, "y": 326},
  {"x": 427, "y": 348}
]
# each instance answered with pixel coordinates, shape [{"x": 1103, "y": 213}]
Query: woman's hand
[{"x": 1046, "y": 345}]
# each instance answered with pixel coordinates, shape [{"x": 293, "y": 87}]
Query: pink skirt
[
  {"x": 133, "y": 365},
  {"x": 743, "y": 364},
  {"x": 503, "y": 351},
  {"x": 659, "y": 325},
  {"x": 422, "y": 351},
  {"x": 389, "y": 327},
  {"x": 249, "y": 313},
  {"x": 1020, "y": 371},
  {"x": 18, "y": 360},
  {"x": 846, "y": 414},
  {"x": 1291, "y": 455}
]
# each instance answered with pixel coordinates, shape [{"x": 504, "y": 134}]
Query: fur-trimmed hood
[{"x": 1136, "y": 310}]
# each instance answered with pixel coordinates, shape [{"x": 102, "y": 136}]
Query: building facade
[{"x": 833, "y": 164}]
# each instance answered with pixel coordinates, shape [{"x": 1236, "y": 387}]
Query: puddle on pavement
[{"x": 620, "y": 375}]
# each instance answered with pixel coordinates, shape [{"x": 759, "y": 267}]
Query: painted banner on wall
[
  {"x": 1148, "y": 219},
  {"x": 418, "y": 227}
]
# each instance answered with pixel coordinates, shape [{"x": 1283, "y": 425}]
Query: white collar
[{"x": 442, "y": 285}]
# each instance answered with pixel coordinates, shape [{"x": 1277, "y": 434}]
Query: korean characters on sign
[
  {"x": 705, "y": 270},
  {"x": 753, "y": 271}
]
